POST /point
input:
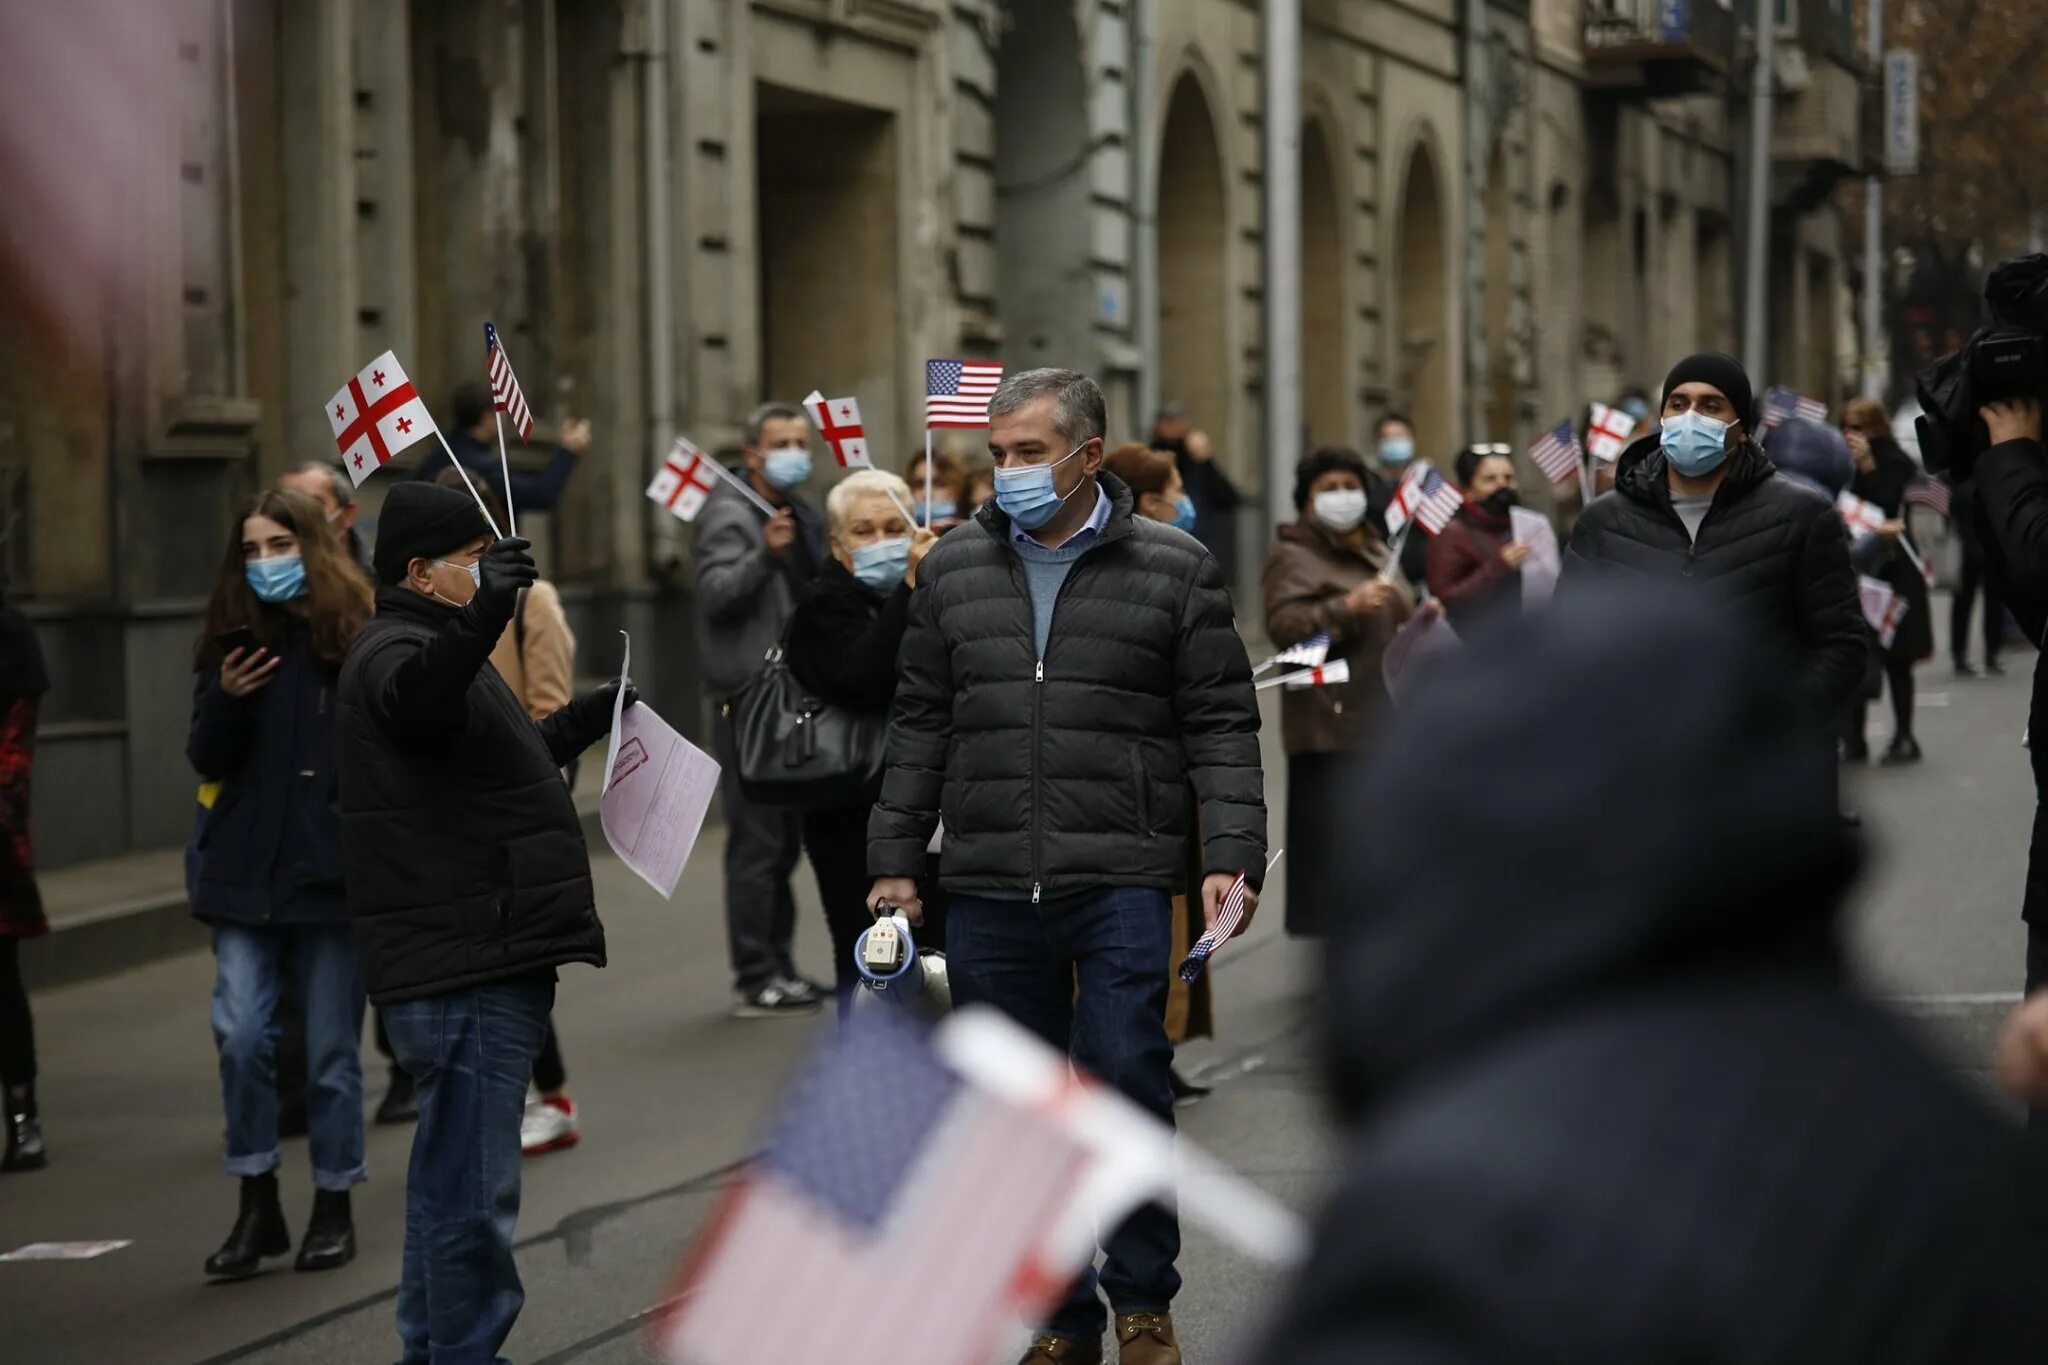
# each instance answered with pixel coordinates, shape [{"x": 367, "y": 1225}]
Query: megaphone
[{"x": 894, "y": 972}]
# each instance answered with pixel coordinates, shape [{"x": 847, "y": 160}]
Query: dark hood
[
  {"x": 1522, "y": 847},
  {"x": 1640, "y": 474}
]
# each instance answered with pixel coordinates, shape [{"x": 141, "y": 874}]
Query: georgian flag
[
  {"x": 1309, "y": 653},
  {"x": 376, "y": 415},
  {"x": 838, "y": 421},
  {"x": 1607, "y": 432},
  {"x": 684, "y": 481},
  {"x": 1323, "y": 676}
]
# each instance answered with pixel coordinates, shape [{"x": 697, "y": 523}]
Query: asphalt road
[{"x": 673, "y": 1093}]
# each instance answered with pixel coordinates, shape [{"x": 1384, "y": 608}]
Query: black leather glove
[
  {"x": 583, "y": 722},
  {"x": 596, "y": 705},
  {"x": 506, "y": 568}
]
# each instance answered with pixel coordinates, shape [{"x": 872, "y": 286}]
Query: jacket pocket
[{"x": 1144, "y": 789}]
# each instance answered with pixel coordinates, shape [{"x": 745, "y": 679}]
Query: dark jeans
[
  {"x": 762, "y": 844},
  {"x": 1974, "y": 574},
  {"x": 1087, "y": 973},
  {"x": 472, "y": 1052},
  {"x": 837, "y": 842},
  {"x": 17, "y": 1026}
]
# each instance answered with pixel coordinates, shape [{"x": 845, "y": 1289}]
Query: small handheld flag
[
  {"x": 683, "y": 482},
  {"x": 1324, "y": 675},
  {"x": 1309, "y": 653},
  {"x": 1557, "y": 453},
  {"x": 1861, "y": 514},
  {"x": 1607, "y": 432},
  {"x": 956, "y": 392},
  {"x": 1230, "y": 914},
  {"x": 376, "y": 415},
  {"x": 506, "y": 395},
  {"x": 1781, "y": 404},
  {"x": 1930, "y": 491},
  {"x": 838, "y": 421},
  {"x": 1427, "y": 498}
]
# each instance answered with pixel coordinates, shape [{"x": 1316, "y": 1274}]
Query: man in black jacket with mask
[
  {"x": 1699, "y": 502},
  {"x": 468, "y": 885},
  {"x": 1071, "y": 676}
]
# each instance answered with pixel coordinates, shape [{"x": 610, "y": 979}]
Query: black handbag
[{"x": 795, "y": 750}]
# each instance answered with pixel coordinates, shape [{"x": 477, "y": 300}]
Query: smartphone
[{"x": 241, "y": 637}]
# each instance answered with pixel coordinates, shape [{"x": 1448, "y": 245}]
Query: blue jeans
[
  {"x": 1088, "y": 974},
  {"x": 249, "y": 968},
  {"x": 471, "y": 1052}
]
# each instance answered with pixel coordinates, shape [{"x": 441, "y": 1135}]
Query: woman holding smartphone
[{"x": 286, "y": 604}]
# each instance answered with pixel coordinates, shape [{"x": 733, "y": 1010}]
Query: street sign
[{"x": 1901, "y": 113}]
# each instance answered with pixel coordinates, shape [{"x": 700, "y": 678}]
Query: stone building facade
[{"x": 676, "y": 208}]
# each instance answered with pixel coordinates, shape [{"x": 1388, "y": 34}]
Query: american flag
[
  {"x": 1607, "y": 432},
  {"x": 956, "y": 392},
  {"x": 506, "y": 396},
  {"x": 1557, "y": 453},
  {"x": 1309, "y": 653},
  {"x": 912, "y": 1210},
  {"x": 1229, "y": 919},
  {"x": 1427, "y": 497},
  {"x": 1782, "y": 404},
  {"x": 1929, "y": 491},
  {"x": 838, "y": 421},
  {"x": 684, "y": 481},
  {"x": 1322, "y": 675}
]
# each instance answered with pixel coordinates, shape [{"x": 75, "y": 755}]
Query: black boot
[
  {"x": 259, "y": 1231},
  {"x": 1904, "y": 749},
  {"x": 330, "y": 1239},
  {"x": 401, "y": 1101},
  {"x": 24, "y": 1141}
]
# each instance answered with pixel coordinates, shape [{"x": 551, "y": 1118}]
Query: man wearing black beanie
[
  {"x": 1698, "y": 502},
  {"x": 468, "y": 885}
]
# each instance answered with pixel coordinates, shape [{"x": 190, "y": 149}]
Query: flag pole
[
  {"x": 908, "y": 515},
  {"x": 746, "y": 489},
  {"x": 496, "y": 534},
  {"x": 927, "y": 477},
  {"x": 1587, "y": 481},
  {"x": 1393, "y": 564},
  {"x": 505, "y": 470}
]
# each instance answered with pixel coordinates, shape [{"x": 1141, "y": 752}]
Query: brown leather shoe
[
  {"x": 1146, "y": 1339},
  {"x": 1064, "y": 1351}
]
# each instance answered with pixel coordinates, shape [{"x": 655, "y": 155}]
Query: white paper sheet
[
  {"x": 65, "y": 1251},
  {"x": 1541, "y": 569},
  {"x": 657, "y": 788}
]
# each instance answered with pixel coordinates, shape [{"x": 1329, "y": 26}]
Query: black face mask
[{"x": 1500, "y": 500}]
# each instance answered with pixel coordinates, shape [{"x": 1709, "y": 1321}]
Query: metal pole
[
  {"x": 1145, "y": 211},
  {"x": 1283, "y": 282},
  {"x": 1873, "y": 237},
  {"x": 1757, "y": 257}
]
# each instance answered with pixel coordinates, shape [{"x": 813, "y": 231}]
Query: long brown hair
[{"x": 338, "y": 598}]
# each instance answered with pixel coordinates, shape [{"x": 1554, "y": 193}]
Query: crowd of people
[{"x": 1068, "y": 778}]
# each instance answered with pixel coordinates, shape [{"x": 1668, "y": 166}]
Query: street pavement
[{"x": 673, "y": 1093}]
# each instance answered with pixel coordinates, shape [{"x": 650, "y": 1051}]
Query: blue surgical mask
[
  {"x": 1026, "y": 494},
  {"x": 1397, "y": 450},
  {"x": 279, "y": 578},
  {"x": 786, "y": 466},
  {"x": 1184, "y": 513},
  {"x": 1694, "y": 443},
  {"x": 1638, "y": 408},
  {"x": 938, "y": 509},
  {"x": 882, "y": 564}
]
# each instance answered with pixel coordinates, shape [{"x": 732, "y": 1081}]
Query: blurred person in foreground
[
  {"x": 949, "y": 491},
  {"x": 270, "y": 882},
  {"x": 1070, "y": 671},
  {"x": 1157, "y": 492},
  {"x": 1883, "y": 474},
  {"x": 750, "y": 567},
  {"x": 536, "y": 656},
  {"x": 23, "y": 681},
  {"x": 468, "y": 885},
  {"x": 1326, "y": 574},
  {"x": 1475, "y": 562},
  {"x": 841, "y": 645},
  {"x": 1611, "y": 1096},
  {"x": 1698, "y": 503},
  {"x": 473, "y": 436}
]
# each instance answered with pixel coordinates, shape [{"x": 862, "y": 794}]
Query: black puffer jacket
[
  {"x": 1772, "y": 548},
  {"x": 1074, "y": 771},
  {"x": 464, "y": 854}
]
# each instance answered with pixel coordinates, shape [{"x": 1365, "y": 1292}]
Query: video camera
[{"x": 2007, "y": 357}]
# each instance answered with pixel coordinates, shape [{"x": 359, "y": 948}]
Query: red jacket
[{"x": 1466, "y": 571}]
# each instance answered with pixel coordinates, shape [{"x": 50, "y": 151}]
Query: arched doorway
[
  {"x": 1498, "y": 385},
  {"x": 1421, "y": 331},
  {"x": 1044, "y": 289},
  {"x": 1326, "y": 405},
  {"x": 1194, "y": 290}
]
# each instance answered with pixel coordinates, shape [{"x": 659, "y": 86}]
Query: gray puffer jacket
[{"x": 1073, "y": 771}]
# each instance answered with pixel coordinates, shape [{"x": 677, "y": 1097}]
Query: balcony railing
[{"x": 1654, "y": 48}]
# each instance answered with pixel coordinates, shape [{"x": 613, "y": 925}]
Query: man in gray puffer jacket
[{"x": 1071, "y": 674}]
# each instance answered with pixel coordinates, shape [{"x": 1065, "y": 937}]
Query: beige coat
[{"x": 540, "y": 674}]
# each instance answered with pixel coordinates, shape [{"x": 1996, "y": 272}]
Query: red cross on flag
[
  {"x": 376, "y": 415},
  {"x": 684, "y": 481},
  {"x": 838, "y": 421},
  {"x": 1607, "y": 432}
]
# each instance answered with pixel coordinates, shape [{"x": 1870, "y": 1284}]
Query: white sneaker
[
  {"x": 775, "y": 1000},
  {"x": 549, "y": 1125}
]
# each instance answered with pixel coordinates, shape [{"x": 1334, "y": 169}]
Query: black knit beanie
[
  {"x": 1725, "y": 373},
  {"x": 423, "y": 521}
]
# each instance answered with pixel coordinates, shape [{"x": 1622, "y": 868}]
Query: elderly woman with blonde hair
[{"x": 841, "y": 645}]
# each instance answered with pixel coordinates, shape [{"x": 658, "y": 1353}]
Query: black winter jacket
[
  {"x": 1773, "y": 548},
  {"x": 465, "y": 856},
  {"x": 843, "y": 637},
  {"x": 1608, "y": 1096},
  {"x": 1073, "y": 771},
  {"x": 270, "y": 849}
]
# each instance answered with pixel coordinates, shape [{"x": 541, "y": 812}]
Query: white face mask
[{"x": 1340, "y": 509}]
